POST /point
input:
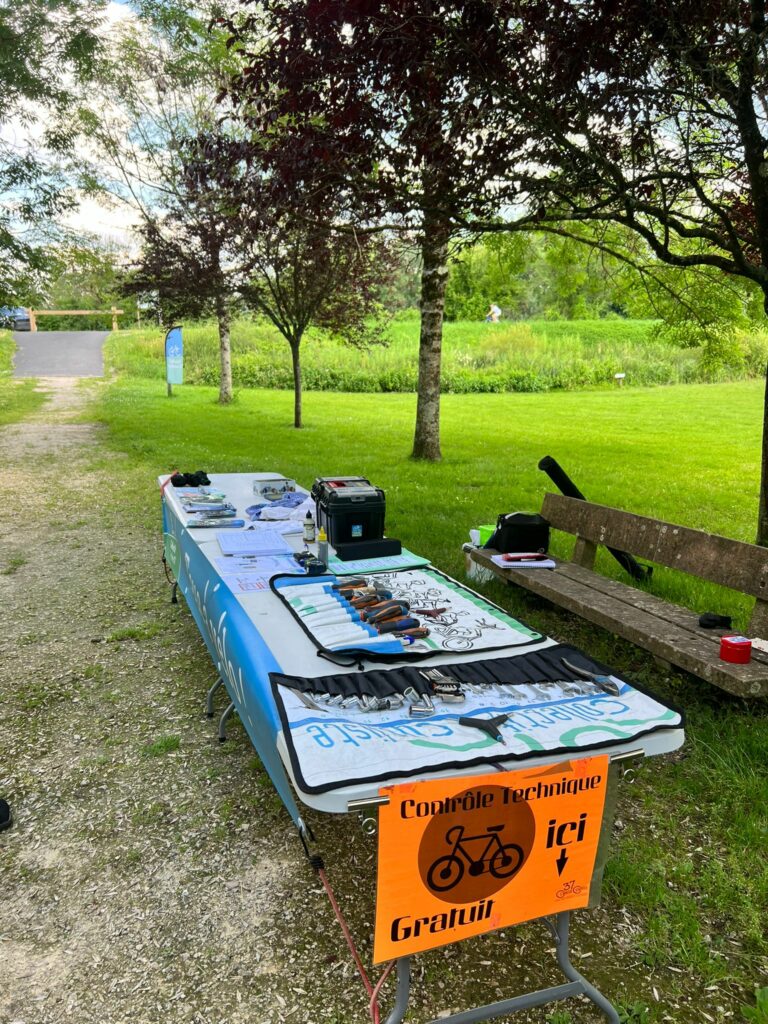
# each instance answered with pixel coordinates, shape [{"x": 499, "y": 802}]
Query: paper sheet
[
  {"x": 545, "y": 563},
  {"x": 389, "y": 563},
  {"x": 254, "y": 542},
  {"x": 266, "y": 566}
]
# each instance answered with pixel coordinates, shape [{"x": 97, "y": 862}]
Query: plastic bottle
[
  {"x": 322, "y": 545},
  {"x": 309, "y": 529}
]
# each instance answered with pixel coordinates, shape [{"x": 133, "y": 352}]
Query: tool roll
[{"x": 536, "y": 667}]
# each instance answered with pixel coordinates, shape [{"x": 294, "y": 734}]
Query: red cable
[
  {"x": 373, "y": 991},
  {"x": 373, "y": 1007},
  {"x": 165, "y": 483}
]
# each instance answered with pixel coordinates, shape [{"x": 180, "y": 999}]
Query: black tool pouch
[{"x": 520, "y": 531}]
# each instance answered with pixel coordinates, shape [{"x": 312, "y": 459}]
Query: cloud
[{"x": 114, "y": 223}]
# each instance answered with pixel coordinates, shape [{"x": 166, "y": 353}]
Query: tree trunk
[
  {"x": 296, "y": 359},
  {"x": 225, "y": 352},
  {"x": 762, "y": 509},
  {"x": 434, "y": 277}
]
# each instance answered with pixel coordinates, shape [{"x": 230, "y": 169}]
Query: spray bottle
[{"x": 309, "y": 529}]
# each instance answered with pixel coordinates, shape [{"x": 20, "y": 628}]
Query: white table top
[{"x": 297, "y": 655}]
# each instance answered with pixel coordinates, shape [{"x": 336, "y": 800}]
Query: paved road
[{"x": 59, "y": 353}]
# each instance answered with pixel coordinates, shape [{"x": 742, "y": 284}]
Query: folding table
[{"x": 259, "y": 651}]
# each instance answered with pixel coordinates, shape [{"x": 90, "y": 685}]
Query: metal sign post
[{"x": 459, "y": 857}]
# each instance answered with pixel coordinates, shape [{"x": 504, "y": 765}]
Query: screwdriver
[
  {"x": 397, "y": 625},
  {"x": 384, "y": 610}
]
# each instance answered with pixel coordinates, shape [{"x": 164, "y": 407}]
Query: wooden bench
[{"x": 668, "y": 631}]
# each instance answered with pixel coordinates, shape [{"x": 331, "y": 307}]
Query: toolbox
[{"x": 350, "y": 509}]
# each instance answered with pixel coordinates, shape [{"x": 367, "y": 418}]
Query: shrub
[{"x": 477, "y": 357}]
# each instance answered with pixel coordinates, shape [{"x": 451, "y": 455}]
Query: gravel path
[
  {"x": 59, "y": 353},
  {"x": 152, "y": 874},
  {"x": 117, "y": 903}
]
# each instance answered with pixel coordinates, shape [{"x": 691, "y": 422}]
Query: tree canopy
[
  {"x": 46, "y": 52},
  {"x": 652, "y": 117},
  {"x": 381, "y": 106}
]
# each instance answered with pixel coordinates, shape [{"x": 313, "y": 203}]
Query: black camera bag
[{"x": 520, "y": 531}]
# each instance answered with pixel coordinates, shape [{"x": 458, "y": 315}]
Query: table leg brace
[{"x": 577, "y": 986}]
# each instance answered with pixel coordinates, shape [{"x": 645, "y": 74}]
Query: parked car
[{"x": 14, "y": 318}]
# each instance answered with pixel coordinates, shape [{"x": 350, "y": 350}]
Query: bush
[{"x": 478, "y": 358}]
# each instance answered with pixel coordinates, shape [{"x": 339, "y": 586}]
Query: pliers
[{"x": 603, "y": 682}]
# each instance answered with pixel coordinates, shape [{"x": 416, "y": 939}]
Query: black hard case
[{"x": 350, "y": 513}]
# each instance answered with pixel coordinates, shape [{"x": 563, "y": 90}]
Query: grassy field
[
  {"x": 687, "y": 859},
  {"x": 18, "y": 398},
  {"x": 523, "y": 357}
]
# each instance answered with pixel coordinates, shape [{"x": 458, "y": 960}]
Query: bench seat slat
[
  {"x": 575, "y": 589},
  {"x": 665, "y": 610},
  {"x": 729, "y": 563}
]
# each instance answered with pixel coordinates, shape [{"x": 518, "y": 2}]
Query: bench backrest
[{"x": 730, "y": 563}]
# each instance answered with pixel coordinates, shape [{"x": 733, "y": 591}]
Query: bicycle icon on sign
[
  {"x": 569, "y": 889},
  {"x": 502, "y": 860}
]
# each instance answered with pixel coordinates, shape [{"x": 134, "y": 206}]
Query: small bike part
[
  {"x": 487, "y": 725},
  {"x": 431, "y": 613},
  {"x": 421, "y": 705},
  {"x": 603, "y": 682},
  {"x": 574, "y": 688},
  {"x": 447, "y": 689},
  {"x": 539, "y": 690},
  {"x": 422, "y": 710},
  {"x": 308, "y": 701},
  {"x": 710, "y": 620},
  {"x": 349, "y": 702},
  {"x": 449, "y": 694}
]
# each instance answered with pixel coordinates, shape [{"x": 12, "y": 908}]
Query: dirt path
[
  {"x": 116, "y": 903},
  {"x": 152, "y": 874}
]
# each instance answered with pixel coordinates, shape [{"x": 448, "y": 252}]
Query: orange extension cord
[{"x": 372, "y": 990}]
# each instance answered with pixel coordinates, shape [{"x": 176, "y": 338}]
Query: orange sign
[{"x": 459, "y": 857}]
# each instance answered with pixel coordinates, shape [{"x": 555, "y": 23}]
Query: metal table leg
[
  {"x": 209, "y": 698},
  {"x": 577, "y": 986},
  {"x": 403, "y": 991},
  {"x": 223, "y": 721},
  {"x": 562, "y": 926}
]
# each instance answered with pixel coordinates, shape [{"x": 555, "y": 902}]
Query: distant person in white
[{"x": 493, "y": 314}]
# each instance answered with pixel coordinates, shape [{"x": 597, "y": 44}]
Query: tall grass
[
  {"x": 17, "y": 397},
  {"x": 477, "y": 357}
]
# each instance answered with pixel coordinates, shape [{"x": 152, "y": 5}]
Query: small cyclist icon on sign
[
  {"x": 502, "y": 860},
  {"x": 569, "y": 889}
]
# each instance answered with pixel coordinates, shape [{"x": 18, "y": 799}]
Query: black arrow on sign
[{"x": 561, "y": 861}]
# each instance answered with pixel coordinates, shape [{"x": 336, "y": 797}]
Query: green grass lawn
[
  {"x": 689, "y": 859},
  {"x": 18, "y": 398}
]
